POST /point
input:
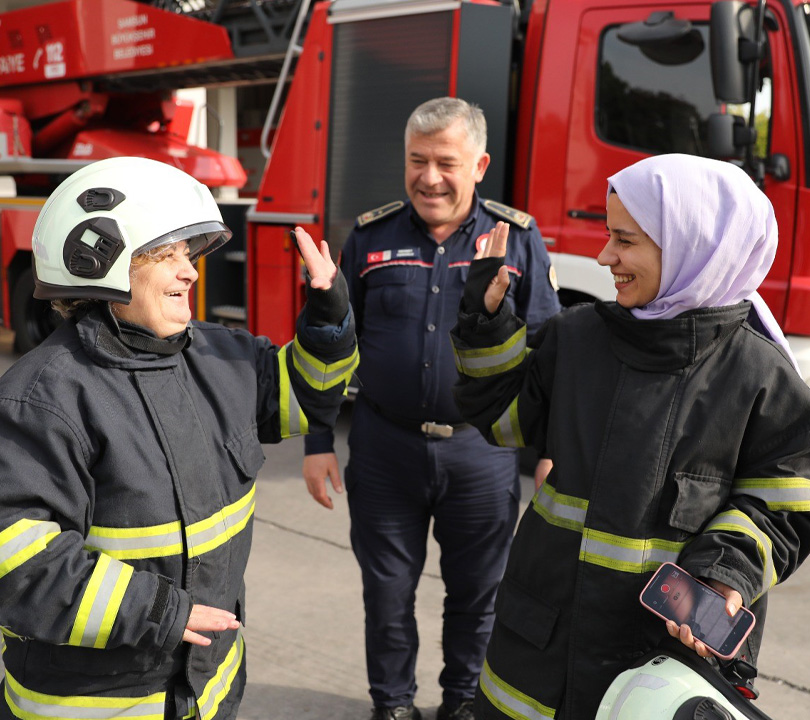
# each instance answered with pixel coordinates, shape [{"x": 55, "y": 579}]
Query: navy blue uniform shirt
[{"x": 405, "y": 289}]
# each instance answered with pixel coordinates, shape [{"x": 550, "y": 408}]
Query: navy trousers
[{"x": 397, "y": 480}]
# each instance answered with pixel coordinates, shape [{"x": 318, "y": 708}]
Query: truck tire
[{"x": 32, "y": 320}]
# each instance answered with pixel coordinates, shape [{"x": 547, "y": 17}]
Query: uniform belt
[{"x": 429, "y": 428}]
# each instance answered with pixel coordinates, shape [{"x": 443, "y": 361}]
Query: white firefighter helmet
[
  {"x": 111, "y": 210},
  {"x": 674, "y": 685}
]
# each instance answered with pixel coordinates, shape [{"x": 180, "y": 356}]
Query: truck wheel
[{"x": 32, "y": 320}]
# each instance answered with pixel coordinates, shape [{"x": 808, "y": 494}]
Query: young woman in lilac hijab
[{"x": 678, "y": 426}]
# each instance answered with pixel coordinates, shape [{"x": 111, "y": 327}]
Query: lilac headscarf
[{"x": 716, "y": 230}]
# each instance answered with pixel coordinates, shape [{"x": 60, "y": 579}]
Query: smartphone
[
  {"x": 294, "y": 239},
  {"x": 675, "y": 595}
]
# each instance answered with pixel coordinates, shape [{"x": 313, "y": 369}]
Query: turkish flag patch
[{"x": 481, "y": 242}]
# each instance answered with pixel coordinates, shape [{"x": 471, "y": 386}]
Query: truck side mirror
[
  {"x": 723, "y": 135},
  {"x": 778, "y": 166},
  {"x": 732, "y": 37},
  {"x": 663, "y": 38}
]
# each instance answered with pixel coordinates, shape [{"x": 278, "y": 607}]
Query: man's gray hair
[{"x": 440, "y": 113}]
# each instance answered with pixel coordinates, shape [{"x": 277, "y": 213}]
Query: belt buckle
[{"x": 434, "y": 430}]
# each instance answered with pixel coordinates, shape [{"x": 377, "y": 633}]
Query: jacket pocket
[
  {"x": 246, "y": 452},
  {"x": 388, "y": 289},
  {"x": 525, "y": 615},
  {"x": 699, "y": 498}
]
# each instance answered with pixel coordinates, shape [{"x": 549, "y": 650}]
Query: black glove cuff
[
  {"x": 327, "y": 307},
  {"x": 481, "y": 274}
]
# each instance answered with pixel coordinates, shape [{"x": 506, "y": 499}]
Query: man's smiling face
[{"x": 441, "y": 172}]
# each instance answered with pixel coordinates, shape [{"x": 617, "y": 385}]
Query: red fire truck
[{"x": 573, "y": 90}]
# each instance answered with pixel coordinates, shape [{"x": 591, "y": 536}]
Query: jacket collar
[
  {"x": 669, "y": 345},
  {"x": 105, "y": 344},
  {"x": 465, "y": 227}
]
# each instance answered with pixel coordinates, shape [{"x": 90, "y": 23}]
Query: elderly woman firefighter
[{"x": 129, "y": 444}]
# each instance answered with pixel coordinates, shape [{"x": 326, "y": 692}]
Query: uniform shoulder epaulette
[
  {"x": 378, "y": 213},
  {"x": 518, "y": 217}
]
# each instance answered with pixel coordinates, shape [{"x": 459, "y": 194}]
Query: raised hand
[
  {"x": 321, "y": 268},
  {"x": 495, "y": 246}
]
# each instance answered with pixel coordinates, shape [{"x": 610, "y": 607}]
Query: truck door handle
[{"x": 586, "y": 215}]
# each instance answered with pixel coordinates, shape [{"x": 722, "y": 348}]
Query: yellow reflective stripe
[
  {"x": 737, "y": 521},
  {"x": 147, "y": 542},
  {"x": 319, "y": 375},
  {"x": 24, "y": 539},
  {"x": 30, "y": 705},
  {"x": 218, "y": 687},
  {"x": 137, "y": 543},
  {"x": 509, "y": 700},
  {"x": 506, "y": 429},
  {"x": 616, "y": 552},
  {"x": 485, "y": 362},
  {"x": 564, "y": 511},
  {"x": 205, "y": 535},
  {"x": 791, "y": 494},
  {"x": 292, "y": 420},
  {"x": 100, "y": 603},
  {"x": 625, "y": 554}
]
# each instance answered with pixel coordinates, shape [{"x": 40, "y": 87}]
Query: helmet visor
[{"x": 202, "y": 238}]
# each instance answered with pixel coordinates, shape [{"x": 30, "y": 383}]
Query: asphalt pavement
[{"x": 304, "y": 625}]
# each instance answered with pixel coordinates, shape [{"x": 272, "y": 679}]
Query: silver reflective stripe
[
  {"x": 617, "y": 552},
  {"x": 24, "y": 539},
  {"x": 506, "y": 429},
  {"x": 627, "y": 554},
  {"x": 320, "y": 375},
  {"x": 737, "y": 521},
  {"x": 484, "y": 362},
  {"x": 509, "y": 700},
  {"x": 208, "y": 534},
  {"x": 165, "y": 540},
  {"x": 100, "y": 602},
  {"x": 292, "y": 421},
  {"x": 32, "y": 705},
  {"x": 218, "y": 687},
  {"x": 560, "y": 510},
  {"x": 135, "y": 543},
  {"x": 791, "y": 494},
  {"x": 294, "y": 412}
]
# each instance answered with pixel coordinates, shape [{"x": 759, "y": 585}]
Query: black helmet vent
[
  {"x": 93, "y": 261},
  {"x": 100, "y": 199}
]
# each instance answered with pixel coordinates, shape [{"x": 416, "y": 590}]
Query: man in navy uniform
[{"x": 411, "y": 456}]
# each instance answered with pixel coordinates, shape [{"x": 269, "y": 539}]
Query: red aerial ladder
[{"x": 82, "y": 80}]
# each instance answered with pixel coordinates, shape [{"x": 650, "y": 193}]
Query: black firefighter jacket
[
  {"x": 127, "y": 495},
  {"x": 685, "y": 440}
]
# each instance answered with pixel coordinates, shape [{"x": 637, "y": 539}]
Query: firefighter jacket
[
  {"x": 685, "y": 440},
  {"x": 127, "y": 496}
]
